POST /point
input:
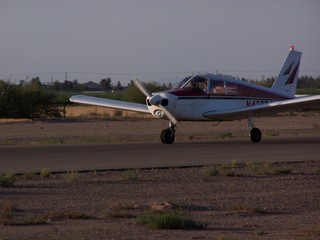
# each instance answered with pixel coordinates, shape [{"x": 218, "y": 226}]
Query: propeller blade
[
  {"x": 140, "y": 86},
  {"x": 168, "y": 114},
  {"x": 155, "y": 100}
]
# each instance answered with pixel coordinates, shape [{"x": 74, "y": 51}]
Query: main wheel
[
  {"x": 255, "y": 135},
  {"x": 167, "y": 136}
]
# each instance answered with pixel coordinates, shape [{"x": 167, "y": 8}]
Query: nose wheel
[{"x": 168, "y": 135}]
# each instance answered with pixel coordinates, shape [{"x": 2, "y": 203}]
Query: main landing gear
[
  {"x": 255, "y": 133},
  {"x": 168, "y": 135}
]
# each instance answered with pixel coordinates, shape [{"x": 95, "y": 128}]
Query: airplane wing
[
  {"x": 262, "y": 110},
  {"x": 103, "y": 102}
]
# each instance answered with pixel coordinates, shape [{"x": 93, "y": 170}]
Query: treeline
[
  {"x": 304, "y": 82},
  {"x": 33, "y": 99},
  {"x": 105, "y": 85},
  {"x": 308, "y": 82},
  {"x": 74, "y": 86}
]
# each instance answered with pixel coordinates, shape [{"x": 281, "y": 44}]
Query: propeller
[
  {"x": 155, "y": 100},
  {"x": 142, "y": 88}
]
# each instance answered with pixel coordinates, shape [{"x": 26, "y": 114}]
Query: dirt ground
[
  {"x": 251, "y": 201},
  {"x": 120, "y": 129}
]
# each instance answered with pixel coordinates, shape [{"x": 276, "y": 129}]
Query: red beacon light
[{"x": 291, "y": 48}]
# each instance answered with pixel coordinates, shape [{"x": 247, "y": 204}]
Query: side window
[
  {"x": 223, "y": 88},
  {"x": 232, "y": 89},
  {"x": 217, "y": 87}
]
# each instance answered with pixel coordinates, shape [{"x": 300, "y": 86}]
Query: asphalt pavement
[{"x": 23, "y": 159}]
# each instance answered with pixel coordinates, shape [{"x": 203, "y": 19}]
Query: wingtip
[{"x": 73, "y": 98}]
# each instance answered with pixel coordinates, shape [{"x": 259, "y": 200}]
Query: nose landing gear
[{"x": 168, "y": 135}]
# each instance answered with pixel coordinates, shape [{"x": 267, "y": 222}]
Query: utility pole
[{"x": 66, "y": 76}]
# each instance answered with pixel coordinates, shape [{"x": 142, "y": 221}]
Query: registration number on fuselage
[{"x": 251, "y": 103}]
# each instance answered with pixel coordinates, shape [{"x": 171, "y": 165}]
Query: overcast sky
[{"x": 154, "y": 39}]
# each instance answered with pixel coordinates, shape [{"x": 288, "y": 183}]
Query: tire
[
  {"x": 255, "y": 135},
  {"x": 167, "y": 136},
  {"x": 162, "y": 136}
]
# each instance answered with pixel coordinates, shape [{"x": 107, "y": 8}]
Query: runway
[{"x": 22, "y": 159}]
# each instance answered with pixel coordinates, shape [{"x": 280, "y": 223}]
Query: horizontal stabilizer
[{"x": 267, "y": 109}]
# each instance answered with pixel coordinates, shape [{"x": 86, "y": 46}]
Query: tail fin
[{"x": 286, "y": 82}]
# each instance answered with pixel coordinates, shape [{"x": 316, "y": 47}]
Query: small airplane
[{"x": 209, "y": 97}]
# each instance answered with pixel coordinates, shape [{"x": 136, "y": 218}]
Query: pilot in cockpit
[
  {"x": 201, "y": 83},
  {"x": 205, "y": 86}
]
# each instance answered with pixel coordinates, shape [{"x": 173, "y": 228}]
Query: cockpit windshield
[
  {"x": 194, "y": 82},
  {"x": 183, "y": 82}
]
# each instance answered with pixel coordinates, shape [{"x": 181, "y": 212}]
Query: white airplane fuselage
[
  {"x": 190, "y": 103},
  {"x": 193, "y": 109}
]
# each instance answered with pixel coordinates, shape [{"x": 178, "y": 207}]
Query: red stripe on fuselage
[{"x": 243, "y": 92}]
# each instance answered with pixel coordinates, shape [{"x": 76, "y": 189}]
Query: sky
[{"x": 154, "y": 40}]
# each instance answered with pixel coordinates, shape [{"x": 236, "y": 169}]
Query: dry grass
[
  {"x": 98, "y": 112},
  {"x": 15, "y": 120}
]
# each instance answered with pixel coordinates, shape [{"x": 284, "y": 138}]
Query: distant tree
[
  {"x": 67, "y": 86},
  {"x": 26, "y": 101},
  {"x": 35, "y": 83},
  {"x": 318, "y": 81},
  {"x": 133, "y": 94},
  {"x": 9, "y": 98},
  {"x": 308, "y": 82},
  {"x": 118, "y": 87},
  {"x": 266, "y": 82},
  {"x": 106, "y": 84},
  {"x": 56, "y": 86},
  {"x": 76, "y": 85},
  {"x": 36, "y": 102}
]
